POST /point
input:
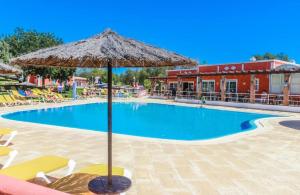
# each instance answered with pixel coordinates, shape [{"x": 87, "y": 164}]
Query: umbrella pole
[
  {"x": 109, "y": 184},
  {"x": 109, "y": 122}
]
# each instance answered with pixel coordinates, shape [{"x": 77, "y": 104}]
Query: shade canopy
[
  {"x": 7, "y": 69},
  {"x": 97, "y": 51}
]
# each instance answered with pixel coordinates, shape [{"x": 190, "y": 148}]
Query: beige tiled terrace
[{"x": 266, "y": 161}]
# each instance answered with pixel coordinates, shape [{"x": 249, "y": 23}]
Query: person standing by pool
[
  {"x": 59, "y": 88},
  {"x": 74, "y": 90}
]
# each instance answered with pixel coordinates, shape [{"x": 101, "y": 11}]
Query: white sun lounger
[{"x": 7, "y": 133}]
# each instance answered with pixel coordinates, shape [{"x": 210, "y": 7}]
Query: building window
[
  {"x": 231, "y": 86},
  {"x": 188, "y": 86},
  {"x": 173, "y": 86},
  {"x": 208, "y": 86},
  {"x": 256, "y": 85}
]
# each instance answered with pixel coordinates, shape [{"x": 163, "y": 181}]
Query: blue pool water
[{"x": 146, "y": 120}]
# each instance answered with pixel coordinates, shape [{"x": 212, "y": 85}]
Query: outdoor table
[{"x": 74, "y": 184}]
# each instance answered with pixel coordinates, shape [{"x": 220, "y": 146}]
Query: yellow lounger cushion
[
  {"x": 101, "y": 169},
  {"x": 5, "y": 131},
  {"x": 4, "y": 151},
  {"x": 28, "y": 170}
]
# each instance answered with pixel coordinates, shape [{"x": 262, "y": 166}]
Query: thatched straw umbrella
[
  {"x": 107, "y": 49},
  {"x": 7, "y": 69}
]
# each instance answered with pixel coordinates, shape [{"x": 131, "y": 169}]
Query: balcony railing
[
  {"x": 294, "y": 100},
  {"x": 211, "y": 96},
  {"x": 186, "y": 94},
  {"x": 237, "y": 97},
  {"x": 263, "y": 98},
  {"x": 273, "y": 99},
  {"x": 163, "y": 94}
]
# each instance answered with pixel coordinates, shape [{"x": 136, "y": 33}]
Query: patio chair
[
  {"x": 4, "y": 102},
  {"x": 11, "y": 101},
  {"x": 6, "y": 151},
  {"x": 7, "y": 132},
  {"x": 20, "y": 102},
  {"x": 38, "y": 168}
]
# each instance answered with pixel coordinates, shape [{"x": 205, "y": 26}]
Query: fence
[
  {"x": 163, "y": 94},
  {"x": 263, "y": 98}
]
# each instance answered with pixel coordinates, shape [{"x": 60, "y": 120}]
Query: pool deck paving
[{"x": 263, "y": 161}]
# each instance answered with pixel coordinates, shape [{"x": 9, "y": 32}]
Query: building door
[
  {"x": 277, "y": 83},
  {"x": 188, "y": 86},
  {"x": 295, "y": 83},
  {"x": 231, "y": 86},
  {"x": 173, "y": 88}
]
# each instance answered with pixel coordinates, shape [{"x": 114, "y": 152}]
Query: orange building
[
  {"x": 38, "y": 81},
  {"x": 235, "y": 83}
]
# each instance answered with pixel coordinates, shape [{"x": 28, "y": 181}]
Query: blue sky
[{"x": 217, "y": 31}]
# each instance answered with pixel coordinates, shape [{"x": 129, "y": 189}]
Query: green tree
[
  {"x": 270, "y": 56},
  {"x": 101, "y": 74},
  {"x": 283, "y": 56},
  {"x": 62, "y": 74},
  {"x": 4, "y": 52},
  {"x": 22, "y": 42},
  {"x": 127, "y": 78},
  {"x": 142, "y": 75},
  {"x": 147, "y": 84}
]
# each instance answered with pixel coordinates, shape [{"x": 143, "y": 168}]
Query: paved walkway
[{"x": 266, "y": 161}]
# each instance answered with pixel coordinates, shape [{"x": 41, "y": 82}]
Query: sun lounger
[
  {"x": 4, "y": 102},
  {"x": 7, "y": 132},
  {"x": 12, "y": 186},
  {"x": 5, "y": 151},
  {"x": 77, "y": 183},
  {"x": 38, "y": 167},
  {"x": 11, "y": 101},
  {"x": 19, "y": 102},
  {"x": 18, "y": 95}
]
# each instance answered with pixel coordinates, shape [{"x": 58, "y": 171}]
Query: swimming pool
[{"x": 146, "y": 120}]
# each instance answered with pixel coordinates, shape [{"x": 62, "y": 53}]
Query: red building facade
[{"x": 234, "y": 83}]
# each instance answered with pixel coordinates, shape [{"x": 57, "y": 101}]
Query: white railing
[
  {"x": 163, "y": 93},
  {"x": 294, "y": 100},
  {"x": 186, "y": 94},
  {"x": 273, "y": 99},
  {"x": 237, "y": 97},
  {"x": 211, "y": 96},
  {"x": 263, "y": 98}
]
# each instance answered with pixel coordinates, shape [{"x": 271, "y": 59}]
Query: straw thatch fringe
[
  {"x": 97, "y": 51},
  {"x": 7, "y": 69}
]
